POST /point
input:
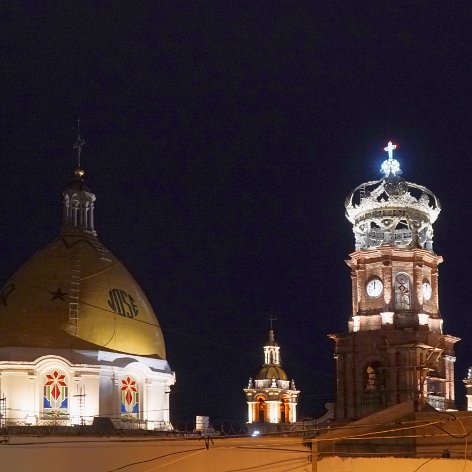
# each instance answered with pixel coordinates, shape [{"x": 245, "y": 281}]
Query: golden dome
[
  {"x": 271, "y": 372},
  {"x": 74, "y": 294}
]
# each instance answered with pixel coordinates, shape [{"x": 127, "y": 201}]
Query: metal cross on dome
[
  {"x": 79, "y": 144},
  {"x": 391, "y": 165}
]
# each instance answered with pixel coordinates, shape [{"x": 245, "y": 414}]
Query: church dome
[
  {"x": 75, "y": 294},
  {"x": 271, "y": 372}
]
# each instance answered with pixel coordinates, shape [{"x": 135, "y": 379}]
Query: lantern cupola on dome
[
  {"x": 392, "y": 210},
  {"x": 74, "y": 293},
  {"x": 78, "y": 199}
]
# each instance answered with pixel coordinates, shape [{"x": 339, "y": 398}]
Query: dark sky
[{"x": 222, "y": 139}]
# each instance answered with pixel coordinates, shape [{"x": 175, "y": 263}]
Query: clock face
[
  {"x": 374, "y": 287},
  {"x": 427, "y": 291},
  {"x": 402, "y": 279}
]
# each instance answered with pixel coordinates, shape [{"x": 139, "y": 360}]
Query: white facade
[{"x": 71, "y": 387}]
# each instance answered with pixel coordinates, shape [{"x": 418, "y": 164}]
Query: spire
[
  {"x": 78, "y": 200},
  {"x": 271, "y": 332}
]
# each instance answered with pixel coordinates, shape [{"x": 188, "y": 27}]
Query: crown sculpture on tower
[{"x": 392, "y": 210}]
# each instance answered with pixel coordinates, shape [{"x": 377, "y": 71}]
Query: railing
[{"x": 437, "y": 401}]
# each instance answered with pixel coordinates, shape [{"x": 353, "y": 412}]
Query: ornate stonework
[
  {"x": 395, "y": 349},
  {"x": 392, "y": 211}
]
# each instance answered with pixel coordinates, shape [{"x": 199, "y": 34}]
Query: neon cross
[
  {"x": 390, "y": 165},
  {"x": 390, "y": 147}
]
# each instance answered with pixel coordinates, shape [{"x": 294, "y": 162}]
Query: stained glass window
[
  {"x": 129, "y": 398},
  {"x": 56, "y": 396}
]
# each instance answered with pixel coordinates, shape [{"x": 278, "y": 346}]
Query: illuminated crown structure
[
  {"x": 79, "y": 339},
  {"x": 395, "y": 349},
  {"x": 392, "y": 210}
]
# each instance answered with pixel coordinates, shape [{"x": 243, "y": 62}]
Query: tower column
[
  {"x": 418, "y": 284},
  {"x": 387, "y": 273},
  {"x": 360, "y": 283},
  {"x": 434, "y": 286},
  {"x": 355, "y": 288}
]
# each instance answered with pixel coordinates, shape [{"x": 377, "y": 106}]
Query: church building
[
  {"x": 271, "y": 397},
  {"x": 79, "y": 339},
  {"x": 395, "y": 349}
]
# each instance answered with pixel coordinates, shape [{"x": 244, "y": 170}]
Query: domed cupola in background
[
  {"x": 73, "y": 302},
  {"x": 271, "y": 397},
  {"x": 395, "y": 349}
]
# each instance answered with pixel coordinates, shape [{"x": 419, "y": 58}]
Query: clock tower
[{"x": 395, "y": 349}]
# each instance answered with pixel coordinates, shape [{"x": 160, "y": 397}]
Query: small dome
[
  {"x": 75, "y": 294},
  {"x": 271, "y": 372},
  {"x": 78, "y": 182}
]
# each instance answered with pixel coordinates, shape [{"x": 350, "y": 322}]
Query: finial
[
  {"x": 271, "y": 320},
  {"x": 391, "y": 165},
  {"x": 78, "y": 145}
]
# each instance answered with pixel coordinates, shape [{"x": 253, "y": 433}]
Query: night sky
[{"x": 222, "y": 139}]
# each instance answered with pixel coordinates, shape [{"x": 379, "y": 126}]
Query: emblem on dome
[{"x": 122, "y": 303}]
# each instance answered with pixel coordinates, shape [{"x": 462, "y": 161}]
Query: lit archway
[
  {"x": 284, "y": 410},
  {"x": 261, "y": 409}
]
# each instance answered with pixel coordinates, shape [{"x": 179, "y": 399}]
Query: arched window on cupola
[
  {"x": 284, "y": 410},
  {"x": 66, "y": 210},
  {"x": 261, "y": 409},
  {"x": 129, "y": 390},
  {"x": 56, "y": 400},
  {"x": 75, "y": 209},
  {"x": 402, "y": 291},
  {"x": 86, "y": 216}
]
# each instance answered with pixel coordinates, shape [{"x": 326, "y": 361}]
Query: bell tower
[{"x": 395, "y": 349}]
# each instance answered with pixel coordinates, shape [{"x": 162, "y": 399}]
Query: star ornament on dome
[
  {"x": 391, "y": 165},
  {"x": 59, "y": 295}
]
